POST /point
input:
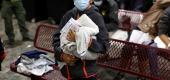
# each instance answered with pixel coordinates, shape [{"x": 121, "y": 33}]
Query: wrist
[{"x": 61, "y": 57}]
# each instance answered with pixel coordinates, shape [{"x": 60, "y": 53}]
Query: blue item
[{"x": 31, "y": 54}]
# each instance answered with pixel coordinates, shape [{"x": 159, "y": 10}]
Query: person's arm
[
  {"x": 59, "y": 55},
  {"x": 165, "y": 39},
  {"x": 101, "y": 44},
  {"x": 163, "y": 27},
  {"x": 56, "y": 45},
  {"x": 56, "y": 39}
]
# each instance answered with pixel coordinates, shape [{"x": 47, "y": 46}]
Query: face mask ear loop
[{"x": 68, "y": 73}]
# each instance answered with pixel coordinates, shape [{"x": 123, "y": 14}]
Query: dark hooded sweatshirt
[
  {"x": 100, "y": 45},
  {"x": 164, "y": 22},
  {"x": 109, "y": 11}
]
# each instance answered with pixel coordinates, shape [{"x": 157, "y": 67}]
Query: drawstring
[
  {"x": 68, "y": 73},
  {"x": 78, "y": 16},
  {"x": 84, "y": 69}
]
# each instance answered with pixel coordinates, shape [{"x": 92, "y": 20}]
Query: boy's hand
[
  {"x": 71, "y": 36},
  {"x": 69, "y": 59}
]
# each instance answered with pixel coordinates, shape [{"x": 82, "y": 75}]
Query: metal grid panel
[
  {"x": 129, "y": 19},
  {"x": 137, "y": 59},
  {"x": 43, "y": 38}
]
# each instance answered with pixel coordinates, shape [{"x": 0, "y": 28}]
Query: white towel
[{"x": 84, "y": 28}]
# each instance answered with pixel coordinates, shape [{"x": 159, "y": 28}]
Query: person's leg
[
  {"x": 20, "y": 15},
  {"x": 7, "y": 15}
]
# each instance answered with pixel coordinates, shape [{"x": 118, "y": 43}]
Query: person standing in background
[
  {"x": 10, "y": 7},
  {"x": 109, "y": 10}
]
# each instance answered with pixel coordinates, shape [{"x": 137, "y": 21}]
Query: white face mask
[
  {"x": 81, "y": 4},
  {"x": 98, "y": 3}
]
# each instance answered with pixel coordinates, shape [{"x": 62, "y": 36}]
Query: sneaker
[{"x": 27, "y": 39}]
